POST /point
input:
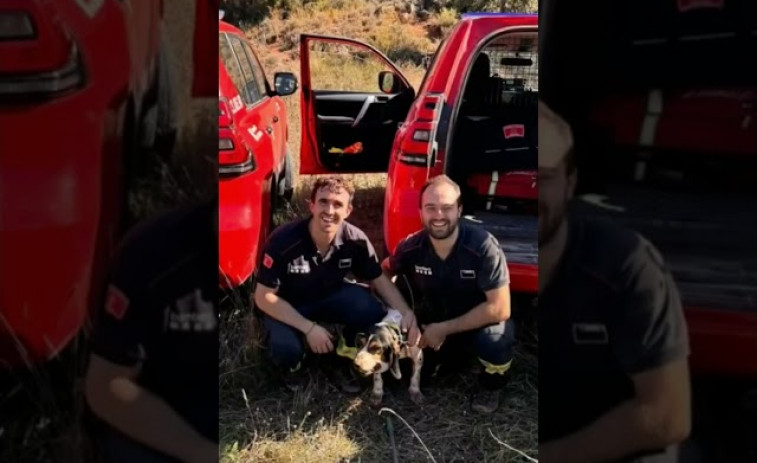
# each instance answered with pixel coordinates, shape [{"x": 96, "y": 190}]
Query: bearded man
[{"x": 457, "y": 277}]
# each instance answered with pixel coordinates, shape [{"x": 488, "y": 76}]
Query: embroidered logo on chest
[
  {"x": 190, "y": 313},
  {"x": 299, "y": 266},
  {"x": 345, "y": 263},
  {"x": 421, "y": 270}
]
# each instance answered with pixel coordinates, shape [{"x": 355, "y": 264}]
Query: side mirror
[
  {"x": 285, "y": 83},
  {"x": 389, "y": 82}
]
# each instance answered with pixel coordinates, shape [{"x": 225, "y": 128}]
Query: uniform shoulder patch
[{"x": 116, "y": 302}]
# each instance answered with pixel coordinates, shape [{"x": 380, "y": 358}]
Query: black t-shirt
[
  {"x": 161, "y": 309},
  {"x": 292, "y": 264},
  {"x": 611, "y": 311},
  {"x": 445, "y": 289}
]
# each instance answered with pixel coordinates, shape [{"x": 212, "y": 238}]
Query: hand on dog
[
  {"x": 410, "y": 329},
  {"x": 433, "y": 336},
  {"x": 320, "y": 340}
]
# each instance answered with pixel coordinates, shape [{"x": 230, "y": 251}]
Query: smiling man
[
  {"x": 301, "y": 282},
  {"x": 458, "y": 277},
  {"x": 613, "y": 370}
]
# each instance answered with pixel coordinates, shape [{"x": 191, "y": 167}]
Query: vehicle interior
[
  {"x": 493, "y": 154},
  {"x": 355, "y": 119},
  {"x": 691, "y": 188}
]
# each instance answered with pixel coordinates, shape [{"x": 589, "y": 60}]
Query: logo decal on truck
[{"x": 255, "y": 132}]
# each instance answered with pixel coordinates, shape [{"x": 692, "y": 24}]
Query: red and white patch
[
  {"x": 688, "y": 5},
  {"x": 116, "y": 302},
  {"x": 267, "y": 261},
  {"x": 514, "y": 131}
]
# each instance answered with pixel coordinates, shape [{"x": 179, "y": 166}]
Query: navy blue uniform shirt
[
  {"x": 445, "y": 289},
  {"x": 161, "y": 310},
  {"x": 292, "y": 264},
  {"x": 610, "y": 311}
]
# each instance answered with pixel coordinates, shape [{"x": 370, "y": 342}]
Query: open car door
[{"x": 353, "y": 99}]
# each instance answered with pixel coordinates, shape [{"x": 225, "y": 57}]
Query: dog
[{"x": 381, "y": 349}]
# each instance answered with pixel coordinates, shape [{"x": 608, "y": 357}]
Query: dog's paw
[
  {"x": 417, "y": 397},
  {"x": 376, "y": 399}
]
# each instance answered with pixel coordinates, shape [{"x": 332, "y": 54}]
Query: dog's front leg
[
  {"x": 378, "y": 390},
  {"x": 415, "y": 381}
]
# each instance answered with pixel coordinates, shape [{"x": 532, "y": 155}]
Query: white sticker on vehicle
[
  {"x": 255, "y": 132},
  {"x": 236, "y": 104}
]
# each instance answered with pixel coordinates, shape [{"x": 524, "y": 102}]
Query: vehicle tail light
[
  {"x": 39, "y": 57},
  {"x": 233, "y": 158},
  {"x": 16, "y": 25},
  {"x": 418, "y": 146}
]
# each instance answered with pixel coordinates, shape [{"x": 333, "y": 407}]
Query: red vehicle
[
  {"x": 254, "y": 163},
  {"x": 74, "y": 117},
  {"x": 474, "y": 118}
]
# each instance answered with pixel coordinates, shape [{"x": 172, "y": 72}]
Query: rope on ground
[
  {"x": 411, "y": 429},
  {"x": 390, "y": 430},
  {"x": 512, "y": 448}
]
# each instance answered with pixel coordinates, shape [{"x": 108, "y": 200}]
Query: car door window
[
  {"x": 250, "y": 82},
  {"x": 231, "y": 64},
  {"x": 344, "y": 67},
  {"x": 257, "y": 70}
]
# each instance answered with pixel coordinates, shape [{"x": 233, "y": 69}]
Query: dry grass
[{"x": 262, "y": 422}]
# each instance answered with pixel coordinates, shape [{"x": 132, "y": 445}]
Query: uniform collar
[
  {"x": 461, "y": 235},
  {"x": 335, "y": 244}
]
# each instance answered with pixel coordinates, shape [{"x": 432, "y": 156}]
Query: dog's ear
[{"x": 361, "y": 339}]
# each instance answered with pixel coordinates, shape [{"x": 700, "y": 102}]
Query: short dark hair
[
  {"x": 333, "y": 184},
  {"x": 436, "y": 180}
]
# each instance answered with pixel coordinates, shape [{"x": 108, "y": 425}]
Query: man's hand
[
  {"x": 319, "y": 339},
  {"x": 433, "y": 336},
  {"x": 115, "y": 397},
  {"x": 409, "y": 327}
]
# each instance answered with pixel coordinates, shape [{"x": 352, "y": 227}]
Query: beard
[
  {"x": 443, "y": 232},
  {"x": 550, "y": 220}
]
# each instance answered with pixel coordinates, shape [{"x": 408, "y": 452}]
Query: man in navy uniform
[
  {"x": 458, "y": 277},
  {"x": 613, "y": 374},
  {"x": 301, "y": 283},
  {"x": 153, "y": 371}
]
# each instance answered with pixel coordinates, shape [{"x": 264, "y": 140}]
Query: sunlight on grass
[
  {"x": 344, "y": 68},
  {"x": 325, "y": 444}
]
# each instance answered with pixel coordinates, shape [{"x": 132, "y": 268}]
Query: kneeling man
[{"x": 458, "y": 280}]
